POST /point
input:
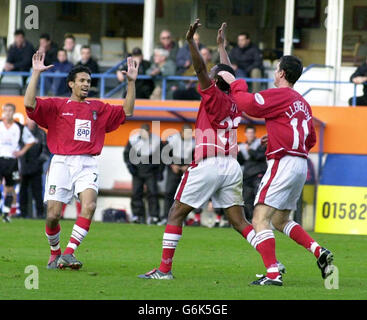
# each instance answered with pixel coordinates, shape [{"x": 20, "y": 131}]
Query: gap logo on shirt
[{"x": 83, "y": 129}]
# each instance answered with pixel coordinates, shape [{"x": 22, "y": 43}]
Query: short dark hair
[
  {"x": 292, "y": 67},
  {"x": 250, "y": 126},
  {"x": 61, "y": 49},
  {"x": 246, "y": 34},
  {"x": 69, "y": 36},
  {"x": 145, "y": 126},
  {"x": 73, "y": 72},
  {"x": 45, "y": 36},
  {"x": 221, "y": 84},
  {"x": 85, "y": 46},
  {"x": 19, "y": 32}
]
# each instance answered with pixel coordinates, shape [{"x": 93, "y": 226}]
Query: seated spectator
[
  {"x": 161, "y": 66},
  {"x": 62, "y": 65},
  {"x": 189, "y": 91},
  {"x": 47, "y": 46},
  {"x": 20, "y": 53},
  {"x": 247, "y": 60},
  {"x": 359, "y": 77},
  {"x": 166, "y": 42},
  {"x": 88, "y": 61},
  {"x": 73, "y": 49},
  {"x": 183, "y": 58},
  {"x": 143, "y": 87}
]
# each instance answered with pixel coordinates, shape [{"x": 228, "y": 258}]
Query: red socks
[
  {"x": 299, "y": 235},
  {"x": 265, "y": 245},
  {"x": 53, "y": 237},
  {"x": 80, "y": 230},
  {"x": 171, "y": 236}
]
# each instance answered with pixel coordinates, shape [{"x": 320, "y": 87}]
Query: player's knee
[
  {"x": 90, "y": 207},
  {"x": 53, "y": 214}
]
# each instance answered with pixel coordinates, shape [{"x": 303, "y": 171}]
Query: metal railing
[{"x": 108, "y": 75}]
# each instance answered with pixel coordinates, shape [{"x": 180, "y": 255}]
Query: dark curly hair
[{"x": 73, "y": 72}]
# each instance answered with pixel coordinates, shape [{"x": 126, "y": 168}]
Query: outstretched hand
[
  {"x": 132, "y": 69},
  {"x": 227, "y": 76},
  {"x": 221, "y": 37},
  {"x": 38, "y": 64},
  {"x": 192, "y": 29}
]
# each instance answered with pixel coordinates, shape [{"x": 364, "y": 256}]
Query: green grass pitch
[{"x": 208, "y": 264}]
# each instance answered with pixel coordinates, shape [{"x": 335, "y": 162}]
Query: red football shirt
[
  {"x": 76, "y": 128},
  {"x": 288, "y": 118},
  {"x": 216, "y": 124}
]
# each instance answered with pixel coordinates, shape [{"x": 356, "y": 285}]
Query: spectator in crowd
[
  {"x": 182, "y": 145},
  {"x": 183, "y": 58},
  {"x": 161, "y": 66},
  {"x": 143, "y": 87},
  {"x": 49, "y": 47},
  {"x": 188, "y": 90},
  {"x": 62, "y": 65},
  {"x": 87, "y": 61},
  {"x": 31, "y": 170},
  {"x": 247, "y": 60},
  {"x": 252, "y": 156},
  {"x": 15, "y": 141},
  {"x": 19, "y": 56},
  {"x": 142, "y": 156},
  {"x": 72, "y": 48},
  {"x": 166, "y": 42},
  {"x": 360, "y": 77}
]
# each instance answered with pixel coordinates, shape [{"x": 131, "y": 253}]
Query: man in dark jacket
[
  {"x": 20, "y": 53},
  {"x": 142, "y": 156},
  {"x": 359, "y": 77},
  {"x": 247, "y": 60},
  {"x": 88, "y": 61},
  {"x": 62, "y": 65},
  {"x": 252, "y": 157},
  {"x": 49, "y": 47},
  {"x": 31, "y": 170},
  {"x": 143, "y": 87}
]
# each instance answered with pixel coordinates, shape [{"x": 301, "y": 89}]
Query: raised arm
[
  {"x": 197, "y": 59},
  {"x": 38, "y": 67},
  {"x": 131, "y": 75},
  {"x": 221, "y": 40}
]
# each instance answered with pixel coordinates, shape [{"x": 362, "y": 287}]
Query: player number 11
[{"x": 294, "y": 123}]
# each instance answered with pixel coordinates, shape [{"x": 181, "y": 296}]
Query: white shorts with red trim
[
  {"x": 217, "y": 178},
  {"x": 70, "y": 175},
  {"x": 282, "y": 184}
]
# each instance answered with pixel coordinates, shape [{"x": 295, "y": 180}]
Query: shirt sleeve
[
  {"x": 114, "y": 115},
  {"x": 44, "y": 113},
  {"x": 264, "y": 104},
  {"x": 27, "y": 136}
]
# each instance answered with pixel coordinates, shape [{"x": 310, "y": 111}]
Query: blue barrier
[{"x": 108, "y": 75}]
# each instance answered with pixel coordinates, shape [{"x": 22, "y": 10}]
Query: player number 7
[{"x": 294, "y": 123}]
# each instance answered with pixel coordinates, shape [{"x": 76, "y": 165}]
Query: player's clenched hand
[
  {"x": 192, "y": 29},
  {"x": 38, "y": 60},
  {"x": 264, "y": 140},
  {"x": 227, "y": 77},
  {"x": 221, "y": 34},
  {"x": 132, "y": 69}
]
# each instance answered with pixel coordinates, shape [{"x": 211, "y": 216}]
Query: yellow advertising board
[{"x": 341, "y": 209}]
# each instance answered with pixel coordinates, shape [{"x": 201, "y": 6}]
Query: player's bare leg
[
  {"x": 53, "y": 230},
  {"x": 293, "y": 230},
  {"x": 8, "y": 200},
  {"x": 265, "y": 245},
  {"x": 88, "y": 201},
  {"x": 172, "y": 234}
]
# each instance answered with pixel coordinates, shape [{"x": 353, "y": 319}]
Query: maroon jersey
[
  {"x": 216, "y": 124},
  {"x": 288, "y": 118},
  {"x": 76, "y": 128}
]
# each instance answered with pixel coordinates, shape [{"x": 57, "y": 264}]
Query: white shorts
[
  {"x": 218, "y": 179},
  {"x": 282, "y": 184},
  {"x": 70, "y": 175}
]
